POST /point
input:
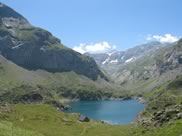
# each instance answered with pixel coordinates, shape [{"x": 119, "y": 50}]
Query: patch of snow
[
  {"x": 110, "y": 53},
  {"x": 130, "y": 60},
  {"x": 104, "y": 62},
  {"x": 17, "y": 46},
  {"x": 114, "y": 61}
]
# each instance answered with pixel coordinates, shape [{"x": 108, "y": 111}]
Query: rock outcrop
[{"x": 34, "y": 48}]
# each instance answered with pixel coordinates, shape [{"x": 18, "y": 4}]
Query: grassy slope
[
  {"x": 169, "y": 94},
  {"x": 42, "y": 120},
  {"x": 67, "y": 84}
]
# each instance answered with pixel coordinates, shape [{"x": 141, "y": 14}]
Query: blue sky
[{"x": 104, "y": 23}]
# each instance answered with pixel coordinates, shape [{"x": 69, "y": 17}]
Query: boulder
[
  {"x": 67, "y": 107},
  {"x": 179, "y": 116},
  {"x": 58, "y": 105},
  {"x": 84, "y": 118}
]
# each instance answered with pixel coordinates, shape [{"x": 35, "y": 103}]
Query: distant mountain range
[
  {"x": 143, "y": 67},
  {"x": 124, "y": 57}
]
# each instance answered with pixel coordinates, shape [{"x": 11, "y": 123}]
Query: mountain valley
[{"x": 39, "y": 76}]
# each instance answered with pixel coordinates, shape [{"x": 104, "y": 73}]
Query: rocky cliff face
[
  {"x": 34, "y": 48},
  {"x": 147, "y": 65},
  {"x": 152, "y": 69},
  {"x": 169, "y": 59},
  {"x": 127, "y": 65}
]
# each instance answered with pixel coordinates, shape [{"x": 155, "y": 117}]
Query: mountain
[
  {"x": 34, "y": 48},
  {"x": 143, "y": 67},
  {"x": 115, "y": 57},
  {"x": 162, "y": 115},
  {"x": 36, "y": 67},
  {"x": 113, "y": 61},
  {"x": 151, "y": 70},
  {"x": 17, "y": 82}
]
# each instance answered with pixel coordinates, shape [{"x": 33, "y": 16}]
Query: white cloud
[
  {"x": 167, "y": 38},
  {"x": 94, "y": 47}
]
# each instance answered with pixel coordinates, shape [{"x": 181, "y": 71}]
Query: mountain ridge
[
  {"x": 143, "y": 67},
  {"x": 34, "y": 48}
]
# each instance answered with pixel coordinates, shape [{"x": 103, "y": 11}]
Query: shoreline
[{"x": 140, "y": 99}]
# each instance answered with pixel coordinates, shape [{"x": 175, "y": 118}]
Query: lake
[{"x": 111, "y": 111}]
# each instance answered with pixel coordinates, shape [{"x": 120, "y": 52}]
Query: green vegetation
[
  {"x": 18, "y": 85},
  {"x": 166, "y": 95},
  {"x": 15, "y": 82},
  {"x": 43, "y": 120},
  {"x": 35, "y": 34},
  {"x": 25, "y": 35},
  {"x": 24, "y": 93},
  {"x": 57, "y": 47}
]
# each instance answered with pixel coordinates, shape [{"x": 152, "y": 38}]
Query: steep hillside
[
  {"x": 34, "y": 48},
  {"x": 161, "y": 117},
  {"x": 112, "y": 61},
  {"x": 36, "y": 67},
  {"x": 16, "y": 83},
  {"x": 151, "y": 70},
  {"x": 164, "y": 104},
  {"x": 143, "y": 67}
]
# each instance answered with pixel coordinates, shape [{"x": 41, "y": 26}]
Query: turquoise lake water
[{"x": 111, "y": 111}]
